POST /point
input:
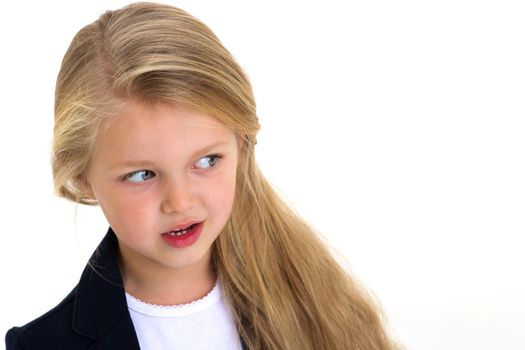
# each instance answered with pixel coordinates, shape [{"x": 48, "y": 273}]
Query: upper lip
[{"x": 182, "y": 226}]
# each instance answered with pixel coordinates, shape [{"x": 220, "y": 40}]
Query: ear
[
  {"x": 242, "y": 141},
  {"x": 84, "y": 185}
]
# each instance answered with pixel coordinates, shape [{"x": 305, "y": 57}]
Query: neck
[{"x": 158, "y": 284}]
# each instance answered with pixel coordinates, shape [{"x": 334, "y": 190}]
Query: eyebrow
[{"x": 147, "y": 163}]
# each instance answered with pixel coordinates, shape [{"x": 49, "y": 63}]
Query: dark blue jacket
[{"x": 93, "y": 316}]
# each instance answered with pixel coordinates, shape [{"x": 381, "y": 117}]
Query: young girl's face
[{"x": 158, "y": 170}]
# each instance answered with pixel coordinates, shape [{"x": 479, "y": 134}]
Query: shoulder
[{"x": 53, "y": 330}]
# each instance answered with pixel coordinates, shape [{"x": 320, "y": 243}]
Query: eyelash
[{"x": 216, "y": 157}]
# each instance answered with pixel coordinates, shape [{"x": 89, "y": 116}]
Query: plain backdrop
[{"x": 396, "y": 128}]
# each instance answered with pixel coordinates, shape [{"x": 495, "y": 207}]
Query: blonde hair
[{"x": 285, "y": 289}]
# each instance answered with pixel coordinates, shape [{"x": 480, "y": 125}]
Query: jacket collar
[{"x": 100, "y": 303}]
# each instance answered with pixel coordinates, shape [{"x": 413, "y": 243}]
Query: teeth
[
  {"x": 181, "y": 232},
  {"x": 178, "y": 233}
]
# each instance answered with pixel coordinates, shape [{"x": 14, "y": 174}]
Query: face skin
[{"x": 177, "y": 179}]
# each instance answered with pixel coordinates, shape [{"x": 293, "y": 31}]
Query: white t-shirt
[{"x": 206, "y": 323}]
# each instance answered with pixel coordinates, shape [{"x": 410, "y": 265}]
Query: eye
[
  {"x": 208, "y": 161},
  {"x": 139, "y": 176}
]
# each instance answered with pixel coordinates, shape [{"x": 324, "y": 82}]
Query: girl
[{"x": 156, "y": 123}]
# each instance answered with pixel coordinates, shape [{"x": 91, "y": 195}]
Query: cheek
[
  {"x": 220, "y": 196},
  {"x": 126, "y": 213}
]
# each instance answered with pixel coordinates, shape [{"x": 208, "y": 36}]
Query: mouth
[
  {"x": 183, "y": 231},
  {"x": 182, "y": 236}
]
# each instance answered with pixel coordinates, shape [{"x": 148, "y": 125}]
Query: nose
[{"x": 177, "y": 198}]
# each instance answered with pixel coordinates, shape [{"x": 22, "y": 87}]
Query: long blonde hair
[{"x": 285, "y": 289}]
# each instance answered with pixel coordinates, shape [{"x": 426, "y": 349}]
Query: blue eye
[
  {"x": 139, "y": 176},
  {"x": 208, "y": 161}
]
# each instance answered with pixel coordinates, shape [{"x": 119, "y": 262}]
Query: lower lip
[{"x": 184, "y": 240}]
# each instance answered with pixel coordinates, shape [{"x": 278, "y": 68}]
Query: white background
[{"x": 396, "y": 128}]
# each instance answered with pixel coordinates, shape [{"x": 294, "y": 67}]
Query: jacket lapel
[{"x": 100, "y": 311}]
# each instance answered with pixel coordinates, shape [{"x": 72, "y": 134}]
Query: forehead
[
  {"x": 135, "y": 114},
  {"x": 139, "y": 128}
]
